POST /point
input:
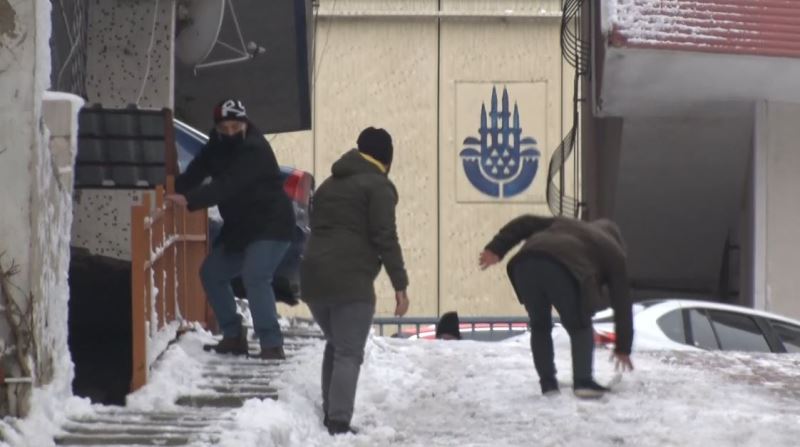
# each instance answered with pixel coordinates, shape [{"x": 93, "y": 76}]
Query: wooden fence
[{"x": 168, "y": 245}]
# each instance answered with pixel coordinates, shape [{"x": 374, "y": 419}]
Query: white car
[{"x": 703, "y": 325}]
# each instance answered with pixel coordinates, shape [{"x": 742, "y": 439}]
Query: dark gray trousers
[
  {"x": 542, "y": 283},
  {"x": 346, "y": 327}
]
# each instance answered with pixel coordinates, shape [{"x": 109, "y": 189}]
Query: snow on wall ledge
[
  {"x": 762, "y": 28},
  {"x": 51, "y": 219}
]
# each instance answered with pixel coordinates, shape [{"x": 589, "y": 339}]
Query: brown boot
[
  {"x": 230, "y": 345},
  {"x": 275, "y": 353}
]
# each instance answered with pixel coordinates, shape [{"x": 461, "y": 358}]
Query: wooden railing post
[
  {"x": 139, "y": 247},
  {"x": 168, "y": 246},
  {"x": 170, "y": 255},
  {"x": 159, "y": 239}
]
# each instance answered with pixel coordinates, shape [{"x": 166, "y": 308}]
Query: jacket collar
[{"x": 372, "y": 160}]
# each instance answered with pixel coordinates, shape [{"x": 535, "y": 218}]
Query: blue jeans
[{"x": 256, "y": 264}]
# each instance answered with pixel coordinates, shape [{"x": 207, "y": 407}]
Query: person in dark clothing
[
  {"x": 258, "y": 223},
  {"x": 564, "y": 263},
  {"x": 448, "y": 327},
  {"x": 353, "y": 233}
]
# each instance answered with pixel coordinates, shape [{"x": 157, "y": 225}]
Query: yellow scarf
[{"x": 372, "y": 160}]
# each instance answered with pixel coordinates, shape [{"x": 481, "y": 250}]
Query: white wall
[
  {"x": 19, "y": 116},
  {"x": 35, "y": 191},
  {"x": 21, "y": 55},
  {"x": 636, "y": 81},
  {"x": 119, "y": 53},
  {"x": 777, "y": 209}
]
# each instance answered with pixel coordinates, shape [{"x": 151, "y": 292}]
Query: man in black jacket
[
  {"x": 258, "y": 223},
  {"x": 563, "y": 264}
]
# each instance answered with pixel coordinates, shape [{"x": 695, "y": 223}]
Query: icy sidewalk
[{"x": 464, "y": 393}]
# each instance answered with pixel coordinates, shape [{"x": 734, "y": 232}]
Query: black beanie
[
  {"x": 377, "y": 143},
  {"x": 449, "y": 324},
  {"x": 230, "y": 109}
]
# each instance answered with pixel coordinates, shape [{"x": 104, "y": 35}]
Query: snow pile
[
  {"x": 49, "y": 411},
  {"x": 178, "y": 372},
  {"x": 659, "y": 21}
]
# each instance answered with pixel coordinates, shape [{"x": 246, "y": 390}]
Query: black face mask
[{"x": 232, "y": 140}]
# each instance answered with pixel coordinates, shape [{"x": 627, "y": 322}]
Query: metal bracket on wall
[{"x": 243, "y": 51}]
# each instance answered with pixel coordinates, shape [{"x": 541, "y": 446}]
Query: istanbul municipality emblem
[{"x": 500, "y": 162}]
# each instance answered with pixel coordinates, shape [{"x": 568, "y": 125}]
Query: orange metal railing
[{"x": 168, "y": 245}]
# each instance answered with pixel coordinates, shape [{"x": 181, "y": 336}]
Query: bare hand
[
  {"x": 488, "y": 259},
  {"x": 402, "y": 303},
  {"x": 622, "y": 362},
  {"x": 177, "y": 199}
]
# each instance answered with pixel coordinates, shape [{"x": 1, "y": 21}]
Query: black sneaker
[
  {"x": 340, "y": 428},
  {"x": 275, "y": 353},
  {"x": 589, "y": 389},
  {"x": 549, "y": 387}
]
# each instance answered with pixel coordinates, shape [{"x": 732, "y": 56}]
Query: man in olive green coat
[{"x": 353, "y": 233}]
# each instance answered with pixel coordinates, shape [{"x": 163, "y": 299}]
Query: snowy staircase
[{"x": 227, "y": 382}]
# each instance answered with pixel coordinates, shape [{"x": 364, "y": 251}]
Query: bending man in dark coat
[
  {"x": 353, "y": 233},
  {"x": 258, "y": 223},
  {"x": 563, "y": 264}
]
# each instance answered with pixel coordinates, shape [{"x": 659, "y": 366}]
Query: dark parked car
[{"x": 299, "y": 186}]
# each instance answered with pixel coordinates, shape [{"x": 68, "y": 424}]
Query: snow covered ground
[{"x": 464, "y": 393}]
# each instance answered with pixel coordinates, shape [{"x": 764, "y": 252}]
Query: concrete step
[
  {"x": 238, "y": 388},
  {"x": 222, "y": 400},
  {"x": 130, "y": 440},
  {"x": 226, "y": 382},
  {"x": 237, "y": 375}
]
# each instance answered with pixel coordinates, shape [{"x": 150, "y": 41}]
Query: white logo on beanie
[{"x": 231, "y": 109}]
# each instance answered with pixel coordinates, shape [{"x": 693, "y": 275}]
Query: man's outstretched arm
[{"x": 515, "y": 232}]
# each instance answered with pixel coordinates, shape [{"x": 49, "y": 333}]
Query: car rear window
[
  {"x": 789, "y": 335},
  {"x": 671, "y": 323},
  {"x": 737, "y": 332},
  {"x": 702, "y": 333}
]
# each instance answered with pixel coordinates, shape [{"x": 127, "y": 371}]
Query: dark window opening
[{"x": 100, "y": 326}]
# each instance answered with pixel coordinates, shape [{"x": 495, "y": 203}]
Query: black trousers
[{"x": 542, "y": 283}]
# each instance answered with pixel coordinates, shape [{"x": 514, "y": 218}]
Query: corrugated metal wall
[{"x": 763, "y": 27}]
